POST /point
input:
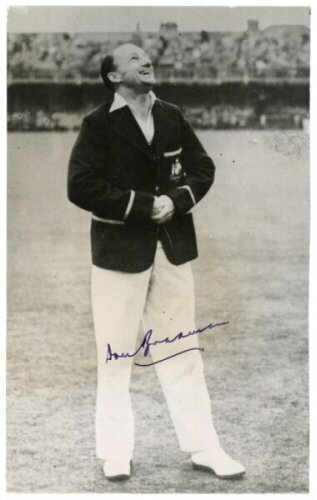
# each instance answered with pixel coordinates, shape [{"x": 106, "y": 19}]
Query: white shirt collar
[{"x": 120, "y": 102}]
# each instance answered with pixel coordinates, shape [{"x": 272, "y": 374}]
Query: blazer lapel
[
  {"x": 163, "y": 126},
  {"x": 127, "y": 127}
]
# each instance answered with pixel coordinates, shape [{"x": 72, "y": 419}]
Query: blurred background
[{"x": 249, "y": 79}]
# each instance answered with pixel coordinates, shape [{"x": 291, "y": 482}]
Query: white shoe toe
[
  {"x": 117, "y": 470},
  {"x": 218, "y": 462}
]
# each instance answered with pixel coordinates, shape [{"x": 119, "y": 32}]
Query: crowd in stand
[{"x": 274, "y": 52}]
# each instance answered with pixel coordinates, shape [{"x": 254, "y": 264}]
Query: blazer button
[{"x": 157, "y": 190}]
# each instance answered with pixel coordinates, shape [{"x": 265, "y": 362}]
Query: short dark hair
[{"x": 107, "y": 66}]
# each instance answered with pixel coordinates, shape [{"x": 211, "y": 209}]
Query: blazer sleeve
[
  {"x": 199, "y": 169},
  {"x": 87, "y": 186}
]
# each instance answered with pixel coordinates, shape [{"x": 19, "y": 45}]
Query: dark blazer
[{"x": 112, "y": 171}]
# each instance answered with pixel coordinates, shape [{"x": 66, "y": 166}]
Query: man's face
[{"x": 133, "y": 66}]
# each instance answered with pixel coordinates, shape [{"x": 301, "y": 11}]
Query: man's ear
[{"x": 114, "y": 77}]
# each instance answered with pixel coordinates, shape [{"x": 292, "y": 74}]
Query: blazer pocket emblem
[
  {"x": 176, "y": 168},
  {"x": 176, "y": 171}
]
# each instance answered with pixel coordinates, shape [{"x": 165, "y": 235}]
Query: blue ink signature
[{"x": 147, "y": 343}]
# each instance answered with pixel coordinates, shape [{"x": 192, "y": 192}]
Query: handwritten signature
[{"x": 147, "y": 343}]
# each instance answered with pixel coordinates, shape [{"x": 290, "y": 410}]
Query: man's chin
[
  {"x": 147, "y": 86},
  {"x": 144, "y": 85},
  {"x": 149, "y": 81}
]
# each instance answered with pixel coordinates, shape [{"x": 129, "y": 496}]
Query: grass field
[{"x": 253, "y": 233}]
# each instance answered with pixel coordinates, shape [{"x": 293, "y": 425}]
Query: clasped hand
[{"x": 163, "y": 209}]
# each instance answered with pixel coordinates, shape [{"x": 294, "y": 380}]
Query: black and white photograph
[{"x": 158, "y": 246}]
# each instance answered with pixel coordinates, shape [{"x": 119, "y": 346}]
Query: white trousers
[{"x": 162, "y": 297}]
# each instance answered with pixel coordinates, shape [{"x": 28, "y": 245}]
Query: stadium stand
[{"x": 272, "y": 56}]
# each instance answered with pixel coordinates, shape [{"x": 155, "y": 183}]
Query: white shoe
[
  {"x": 217, "y": 461},
  {"x": 117, "y": 469}
]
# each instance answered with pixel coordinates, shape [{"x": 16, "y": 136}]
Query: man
[{"x": 139, "y": 168}]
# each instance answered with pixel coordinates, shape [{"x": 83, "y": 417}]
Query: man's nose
[{"x": 147, "y": 62}]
